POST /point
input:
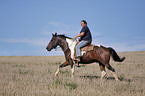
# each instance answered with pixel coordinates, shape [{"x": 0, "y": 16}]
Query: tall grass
[{"x": 34, "y": 76}]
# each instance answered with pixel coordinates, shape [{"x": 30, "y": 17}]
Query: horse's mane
[{"x": 62, "y": 35}]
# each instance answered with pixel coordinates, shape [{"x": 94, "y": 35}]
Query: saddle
[{"x": 89, "y": 47}]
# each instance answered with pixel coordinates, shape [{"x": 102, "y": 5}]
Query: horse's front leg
[
  {"x": 61, "y": 66},
  {"x": 72, "y": 66}
]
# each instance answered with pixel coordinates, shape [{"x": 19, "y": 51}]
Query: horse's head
[{"x": 53, "y": 43}]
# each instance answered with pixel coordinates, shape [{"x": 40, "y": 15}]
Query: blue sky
[{"x": 26, "y": 25}]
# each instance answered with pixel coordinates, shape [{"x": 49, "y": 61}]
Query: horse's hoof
[
  {"x": 103, "y": 74},
  {"x": 72, "y": 77},
  {"x": 56, "y": 74},
  {"x": 101, "y": 78},
  {"x": 78, "y": 66},
  {"x": 117, "y": 79}
]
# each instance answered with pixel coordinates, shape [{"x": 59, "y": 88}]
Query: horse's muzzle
[{"x": 48, "y": 49}]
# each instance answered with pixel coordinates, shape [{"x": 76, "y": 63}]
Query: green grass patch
[
  {"x": 58, "y": 82},
  {"x": 57, "y": 63},
  {"x": 71, "y": 85},
  {"x": 82, "y": 65},
  {"x": 49, "y": 71},
  {"x": 23, "y": 72},
  {"x": 19, "y": 66},
  {"x": 62, "y": 72}
]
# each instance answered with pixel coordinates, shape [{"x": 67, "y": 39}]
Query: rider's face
[{"x": 82, "y": 24}]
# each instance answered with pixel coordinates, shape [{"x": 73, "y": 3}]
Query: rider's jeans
[{"x": 82, "y": 44}]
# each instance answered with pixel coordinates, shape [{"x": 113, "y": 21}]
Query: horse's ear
[
  {"x": 55, "y": 34},
  {"x": 52, "y": 34}
]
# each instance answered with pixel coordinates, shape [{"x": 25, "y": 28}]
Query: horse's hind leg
[
  {"x": 61, "y": 66},
  {"x": 113, "y": 71},
  {"x": 103, "y": 72}
]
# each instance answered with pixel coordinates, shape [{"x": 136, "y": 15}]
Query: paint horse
[{"x": 99, "y": 55}]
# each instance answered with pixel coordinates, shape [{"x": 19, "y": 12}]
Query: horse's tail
[{"x": 115, "y": 56}]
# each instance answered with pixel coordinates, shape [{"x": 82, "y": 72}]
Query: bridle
[{"x": 54, "y": 43}]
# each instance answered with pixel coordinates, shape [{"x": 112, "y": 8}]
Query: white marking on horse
[
  {"x": 57, "y": 71},
  {"x": 71, "y": 45},
  {"x": 73, "y": 71},
  {"x": 103, "y": 74}
]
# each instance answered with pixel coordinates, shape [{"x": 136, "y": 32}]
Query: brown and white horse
[{"x": 99, "y": 55}]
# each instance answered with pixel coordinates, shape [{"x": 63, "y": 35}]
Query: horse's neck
[{"x": 63, "y": 44}]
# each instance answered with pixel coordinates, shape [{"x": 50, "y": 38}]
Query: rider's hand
[{"x": 75, "y": 37}]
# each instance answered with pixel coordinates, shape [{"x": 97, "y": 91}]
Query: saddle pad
[{"x": 88, "y": 48}]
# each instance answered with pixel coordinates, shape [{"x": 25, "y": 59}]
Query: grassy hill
[{"x": 34, "y": 76}]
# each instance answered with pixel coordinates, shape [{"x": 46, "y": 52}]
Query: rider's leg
[{"x": 79, "y": 46}]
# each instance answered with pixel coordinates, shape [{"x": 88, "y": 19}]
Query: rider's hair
[{"x": 85, "y": 22}]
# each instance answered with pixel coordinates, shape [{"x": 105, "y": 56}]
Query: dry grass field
[{"x": 34, "y": 76}]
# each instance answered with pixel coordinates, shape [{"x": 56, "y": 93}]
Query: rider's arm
[{"x": 80, "y": 35}]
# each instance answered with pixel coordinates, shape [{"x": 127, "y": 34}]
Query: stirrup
[{"x": 77, "y": 62}]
